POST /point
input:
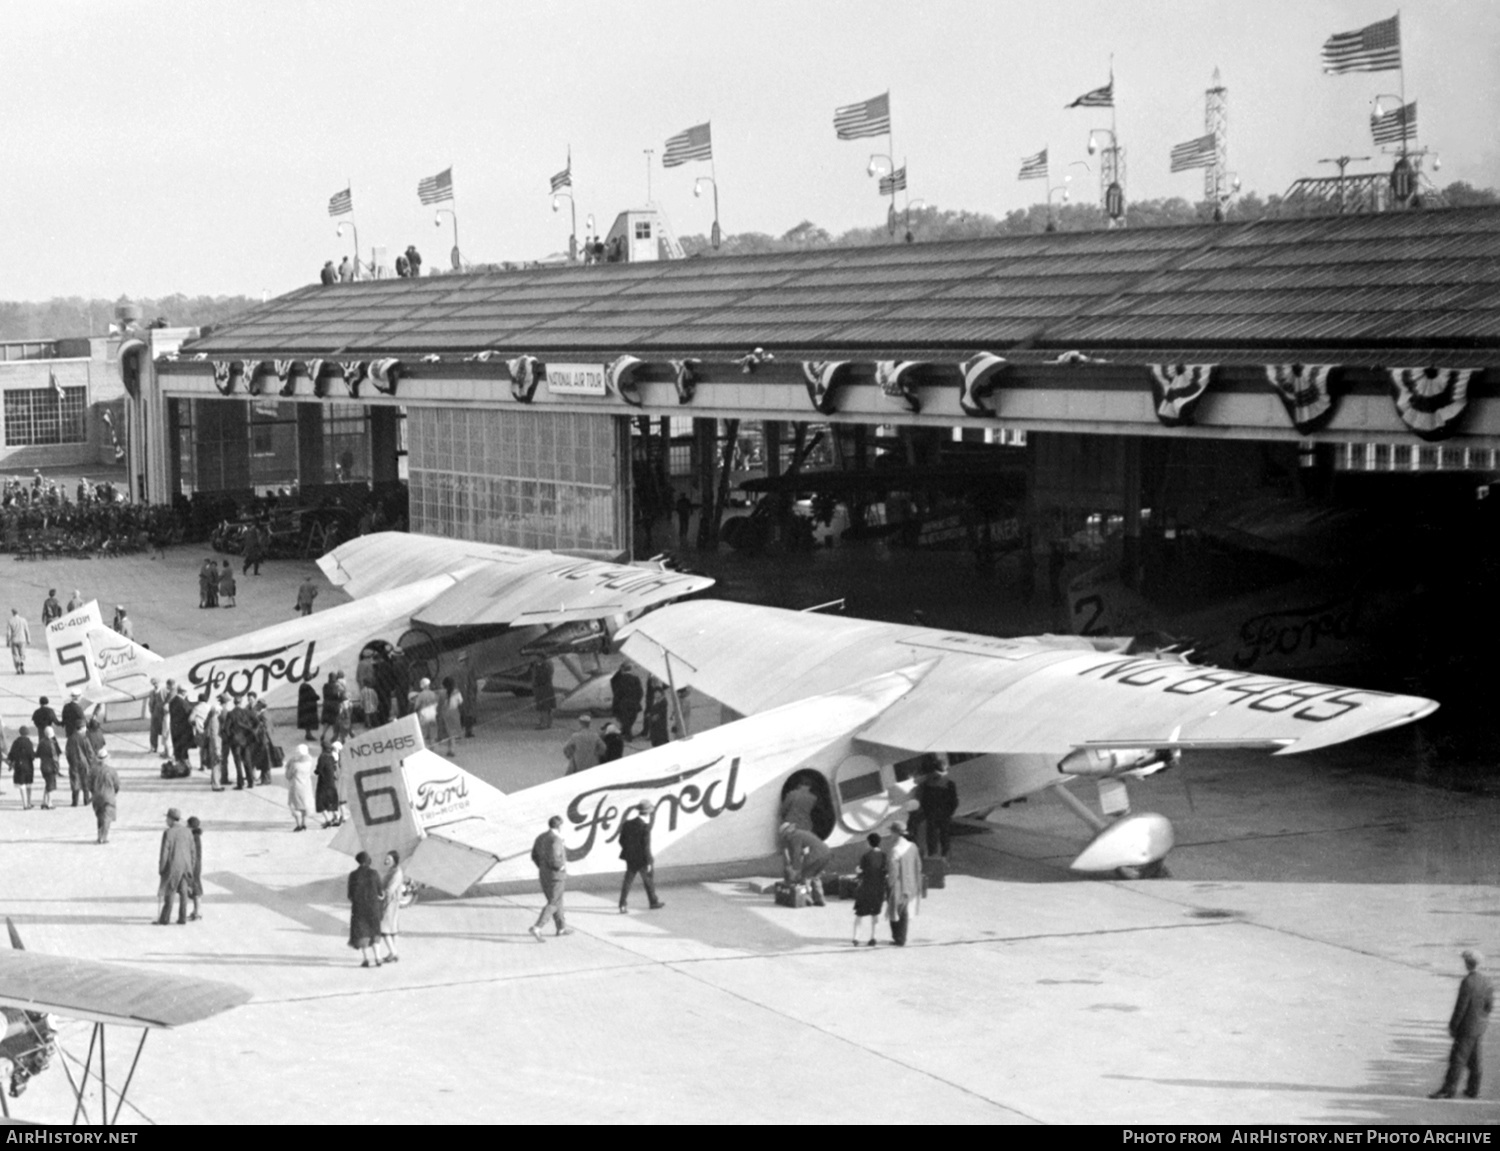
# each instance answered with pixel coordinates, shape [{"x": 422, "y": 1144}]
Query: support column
[
  {"x": 705, "y": 440},
  {"x": 385, "y": 441},
  {"x": 310, "y": 445},
  {"x": 1130, "y": 484}
]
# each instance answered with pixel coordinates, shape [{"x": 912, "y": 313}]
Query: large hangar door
[{"x": 522, "y": 477}]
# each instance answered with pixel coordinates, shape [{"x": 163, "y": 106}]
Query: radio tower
[{"x": 1216, "y": 123}]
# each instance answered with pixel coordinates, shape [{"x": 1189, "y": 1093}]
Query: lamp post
[
  {"x": 698, "y": 183},
  {"x": 1221, "y": 207},
  {"x": 649, "y": 153},
  {"x": 918, "y": 204},
  {"x": 1111, "y": 188},
  {"x": 573, "y": 233},
  {"x": 437, "y": 222},
  {"x": 355, "y": 228},
  {"x": 874, "y": 169}
]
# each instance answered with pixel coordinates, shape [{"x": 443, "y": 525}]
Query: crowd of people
[{"x": 40, "y": 517}]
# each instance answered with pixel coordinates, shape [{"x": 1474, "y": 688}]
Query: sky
[{"x": 161, "y": 147}]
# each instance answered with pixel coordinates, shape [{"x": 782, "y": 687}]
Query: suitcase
[
  {"x": 934, "y": 872},
  {"x": 792, "y": 895}
]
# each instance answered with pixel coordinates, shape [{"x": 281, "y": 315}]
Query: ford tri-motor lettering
[
  {"x": 255, "y": 671},
  {"x": 438, "y": 794},
  {"x": 596, "y": 811}
]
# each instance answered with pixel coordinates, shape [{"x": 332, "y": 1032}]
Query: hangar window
[{"x": 41, "y": 416}]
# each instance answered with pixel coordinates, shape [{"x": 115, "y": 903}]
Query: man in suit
[
  {"x": 550, "y": 855},
  {"x": 584, "y": 748},
  {"x": 626, "y": 694},
  {"x": 903, "y": 877},
  {"x": 1471, "y": 1014},
  {"x": 938, "y": 797},
  {"x": 157, "y": 703},
  {"x": 635, "y": 850}
]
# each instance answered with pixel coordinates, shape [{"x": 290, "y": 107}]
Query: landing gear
[{"x": 1154, "y": 870}]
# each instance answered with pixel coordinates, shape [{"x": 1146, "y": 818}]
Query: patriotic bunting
[
  {"x": 981, "y": 374},
  {"x": 114, "y": 438},
  {"x": 1303, "y": 391},
  {"x": 355, "y": 372},
  {"x": 225, "y": 375},
  {"x": 895, "y": 381},
  {"x": 1431, "y": 400},
  {"x": 823, "y": 378},
  {"x": 1178, "y": 388},
  {"x": 252, "y": 371},
  {"x": 686, "y": 372},
  {"x": 524, "y": 377},
  {"x": 622, "y": 375},
  {"x": 386, "y": 374}
]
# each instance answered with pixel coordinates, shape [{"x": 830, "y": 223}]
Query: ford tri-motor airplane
[
  {"x": 845, "y": 705},
  {"x": 498, "y": 602}
]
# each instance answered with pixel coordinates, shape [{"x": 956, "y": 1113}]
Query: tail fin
[
  {"x": 397, "y": 789},
  {"x": 90, "y": 658}
]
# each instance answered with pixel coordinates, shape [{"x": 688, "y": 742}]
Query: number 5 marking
[
  {"x": 72, "y": 653},
  {"x": 366, "y": 794}
]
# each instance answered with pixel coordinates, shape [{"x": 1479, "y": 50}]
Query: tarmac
[{"x": 1298, "y": 966}]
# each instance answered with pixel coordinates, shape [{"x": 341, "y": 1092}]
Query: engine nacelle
[
  {"x": 1135, "y": 841},
  {"x": 1108, "y": 762}
]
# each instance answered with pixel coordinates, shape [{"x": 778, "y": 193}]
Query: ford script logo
[
  {"x": 683, "y": 793},
  {"x": 255, "y": 671}
]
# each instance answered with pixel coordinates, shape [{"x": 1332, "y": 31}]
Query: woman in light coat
[
  {"x": 299, "y": 792},
  {"x": 390, "y": 904}
]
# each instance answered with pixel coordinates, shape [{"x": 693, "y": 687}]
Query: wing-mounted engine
[{"x": 1114, "y": 762}]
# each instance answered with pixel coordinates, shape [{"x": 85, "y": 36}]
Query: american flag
[
  {"x": 895, "y": 182},
  {"x": 694, "y": 144},
  {"x": 1199, "y": 153},
  {"x": 564, "y": 179},
  {"x": 870, "y": 118},
  {"x": 1396, "y": 125},
  {"x": 1099, "y": 98},
  {"x": 341, "y": 203},
  {"x": 436, "y": 189},
  {"x": 1034, "y": 167},
  {"x": 1373, "y": 49}
]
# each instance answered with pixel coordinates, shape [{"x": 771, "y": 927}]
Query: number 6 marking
[{"x": 366, "y": 794}]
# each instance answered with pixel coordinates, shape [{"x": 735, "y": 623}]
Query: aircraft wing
[
  {"x": 110, "y": 992},
  {"x": 999, "y": 695},
  {"x": 499, "y": 585}
]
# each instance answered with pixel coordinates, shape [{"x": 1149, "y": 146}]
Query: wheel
[{"x": 1157, "y": 870}]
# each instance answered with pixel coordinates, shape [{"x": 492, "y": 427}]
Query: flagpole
[
  {"x": 890, "y": 146},
  {"x": 1401, "y": 74}
]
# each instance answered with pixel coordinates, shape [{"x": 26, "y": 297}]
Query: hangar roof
[{"x": 1355, "y": 288}]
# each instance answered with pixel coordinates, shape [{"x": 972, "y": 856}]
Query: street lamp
[
  {"x": 1063, "y": 188},
  {"x": 573, "y": 234},
  {"x": 437, "y": 222},
  {"x": 355, "y": 228},
  {"x": 698, "y": 191},
  {"x": 918, "y": 204}
]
